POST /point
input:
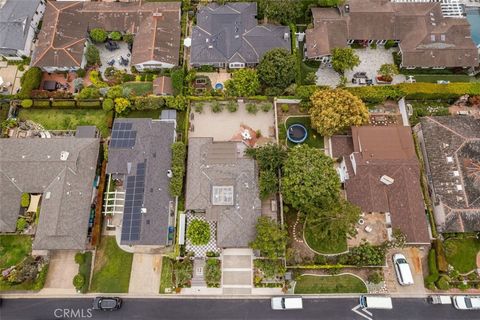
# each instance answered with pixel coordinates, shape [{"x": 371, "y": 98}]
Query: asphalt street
[{"x": 331, "y": 309}]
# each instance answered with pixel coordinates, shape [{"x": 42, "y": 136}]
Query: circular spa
[
  {"x": 219, "y": 86},
  {"x": 297, "y": 133}
]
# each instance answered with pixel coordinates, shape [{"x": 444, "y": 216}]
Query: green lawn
[
  {"x": 68, "y": 119},
  {"x": 462, "y": 253},
  {"x": 111, "y": 272},
  {"x": 314, "y": 139},
  {"x": 166, "y": 280},
  {"x": 139, "y": 88},
  {"x": 448, "y": 77},
  {"x": 85, "y": 269},
  {"x": 153, "y": 114},
  {"x": 13, "y": 249},
  {"x": 329, "y": 284},
  {"x": 428, "y": 108},
  {"x": 321, "y": 246}
]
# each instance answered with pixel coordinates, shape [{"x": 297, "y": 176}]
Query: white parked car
[
  {"x": 287, "y": 303},
  {"x": 466, "y": 302},
  {"x": 402, "y": 269}
]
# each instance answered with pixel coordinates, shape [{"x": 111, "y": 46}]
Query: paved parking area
[
  {"x": 416, "y": 259},
  {"x": 237, "y": 273},
  {"x": 10, "y": 74},
  {"x": 106, "y": 56},
  {"x": 326, "y": 76},
  {"x": 370, "y": 62},
  {"x": 145, "y": 274},
  {"x": 61, "y": 270}
]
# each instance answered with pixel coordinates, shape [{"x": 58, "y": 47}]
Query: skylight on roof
[{"x": 222, "y": 195}]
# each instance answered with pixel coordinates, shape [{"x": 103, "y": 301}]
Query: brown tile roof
[
  {"x": 341, "y": 146},
  {"x": 163, "y": 86},
  {"x": 389, "y": 151},
  {"x": 65, "y": 30},
  {"x": 414, "y": 24}
]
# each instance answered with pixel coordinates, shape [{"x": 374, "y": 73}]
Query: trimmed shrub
[
  {"x": 284, "y": 107},
  {"x": 25, "y": 201},
  {"x": 377, "y": 94},
  {"x": 375, "y": 277},
  {"x": 232, "y": 106},
  {"x": 98, "y": 35},
  {"x": 433, "y": 91},
  {"x": 79, "y": 258},
  {"x": 108, "y": 104},
  {"x": 198, "y": 232},
  {"x": 216, "y": 107},
  {"x": 267, "y": 106},
  {"x": 177, "y": 81},
  {"x": 198, "y": 107},
  {"x": 252, "y": 108},
  {"x": 89, "y": 93},
  {"x": 30, "y": 80},
  {"x": 389, "y": 44},
  {"x": 27, "y": 103},
  {"x": 92, "y": 55},
  {"x": 431, "y": 278},
  {"x": 442, "y": 263},
  {"x": 115, "y": 36},
  {"x": 178, "y": 103},
  {"x": 68, "y": 104},
  {"x": 41, "y": 103},
  {"x": 443, "y": 283},
  {"x": 79, "y": 281},
  {"x": 179, "y": 151},
  {"x": 432, "y": 262},
  {"x": 88, "y": 104},
  {"x": 148, "y": 103},
  {"x": 21, "y": 224}
]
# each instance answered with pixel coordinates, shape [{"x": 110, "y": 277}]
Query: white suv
[
  {"x": 467, "y": 302},
  {"x": 404, "y": 274}
]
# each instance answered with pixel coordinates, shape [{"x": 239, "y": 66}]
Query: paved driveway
[
  {"x": 415, "y": 258},
  {"x": 237, "y": 271},
  {"x": 145, "y": 275},
  {"x": 61, "y": 270}
]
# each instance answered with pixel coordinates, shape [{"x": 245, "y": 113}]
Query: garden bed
[
  {"x": 139, "y": 88},
  {"x": 428, "y": 108},
  {"x": 345, "y": 283},
  {"x": 166, "y": 280},
  {"x": 462, "y": 253},
  {"x": 325, "y": 247},
  {"x": 111, "y": 272}
]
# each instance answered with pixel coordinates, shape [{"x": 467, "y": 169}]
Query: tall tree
[
  {"x": 277, "y": 68},
  {"x": 334, "y": 110},
  {"x": 344, "y": 59},
  {"x": 285, "y": 11},
  {"x": 309, "y": 179},
  {"x": 244, "y": 82},
  {"x": 271, "y": 239},
  {"x": 269, "y": 157}
]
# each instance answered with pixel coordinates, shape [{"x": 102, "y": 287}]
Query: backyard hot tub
[
  {"x": 219, "y": 86},
  {"x": 297, "y": 133}
]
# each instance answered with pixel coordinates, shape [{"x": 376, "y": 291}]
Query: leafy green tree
[
  {"x": 309, "y": 179},
  {"x": 286, "y": 11},
  {"x": 330, "y": 3},
  {"x": 121, "y": 104},
  {"x": 277, "y": 68},
  {"x": 27, "y": 103},
  {"x": 198, "y": 232},
  {"x": 178, "y": 103},
  {"x": 334, "y": 110},
  {"x": 344, "y": 59},
  {"x": 115, "y": 92},
  {"x": 270, "y": 239},
  {"x": 267, "y": 183},
  {"x": 244, "y": 83},
  {"x": 78, "y": 281},
  {"x": 108, "y": 104},
  {"x": 29, "y": 81},
  {"x": 388, "y": 70},
  {"x": 269, "y": 157},
  {"x": 366, "y": 255},
  {"x": 177, "y": 81},
  {"x": 89, "y": 93},
  {"x": 92, "y": 55},
  {"x": 98, "y": 35},
  {"x": 334, "y": 222}
]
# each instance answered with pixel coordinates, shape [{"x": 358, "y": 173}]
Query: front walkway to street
[{"x": 145, "y": 275}]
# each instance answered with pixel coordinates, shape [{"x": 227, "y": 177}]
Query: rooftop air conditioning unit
[
  {"x": 169, "y": 173},
  {"x": 143, "y": 210},
  {"x": 386, "y": 180},
  {"x": 64, "y": 155}
]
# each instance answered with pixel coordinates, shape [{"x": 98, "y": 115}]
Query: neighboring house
[
  {"x": 18, "y": 25},
  {"x": 451, "y": 152},
  {"x": 62, "y": 170},
  {"x": 381, "y": 173},
  {"x": 450, "y": 8},
  {"x": 64, "y": 34},
  {"x": 229, "y": 36},
  {"x": 222, "y": 186},
  {"x": 162, "y": 86},
  {"x": 426, "y": 38},
  {"x": 140, "y": 161}
]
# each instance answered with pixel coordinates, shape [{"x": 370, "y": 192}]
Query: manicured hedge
[
  {"x": 178, "y": 168},
  {"x": 41, "y": 103},
  {"x": 442, "y": 263},
  {"x": 85, "y": 104},
  {"x": 377, "y": 94},
  {"x": 30, "y": 80},
  {"x": 63, "y": 104},
  {"x": 432, "y": 91}
]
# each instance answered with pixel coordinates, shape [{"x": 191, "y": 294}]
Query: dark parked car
[{"x": 107, "y": 303}]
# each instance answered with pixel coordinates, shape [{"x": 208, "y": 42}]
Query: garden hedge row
[
  {"x": 30, "y": 80},
  {"x": 432, "y": 91},
  {"x": 179, "y": 152},
  {"x": 62, "y": 104}
]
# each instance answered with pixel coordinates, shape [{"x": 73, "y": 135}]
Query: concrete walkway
[
  {"x": 145, "y": 274},
  {"x": 237, "y": 272},
  {"x": 61, "y": 270}
]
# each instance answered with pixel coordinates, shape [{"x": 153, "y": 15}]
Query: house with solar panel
[{"x": 138, "y": 204}]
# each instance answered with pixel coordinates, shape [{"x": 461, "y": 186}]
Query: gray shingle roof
[
  {"x": 223, "y": 164},
  {"x": 15, "y": 19},
  {"x": 455, "y": 181},
  {"x": 34, "y": 166},
  {"x": 153, "y": 146},
  {"x": 230, "y": 33}
]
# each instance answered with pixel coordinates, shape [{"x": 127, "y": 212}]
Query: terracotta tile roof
[
  {"x": 427, "y": 39},
  {"x": 163, "y": 86},
  {"x": 65, "y": 30},
  {"x": 379, "y": 151}
]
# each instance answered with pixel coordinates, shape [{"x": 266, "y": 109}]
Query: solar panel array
[
  {"x": 123, "y": 136},
  {"x": 132, "y": 214}
]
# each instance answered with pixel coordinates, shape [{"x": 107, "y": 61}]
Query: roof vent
[
  {"x": 143, "y": 210},
  {"x": 64, "y": 155},
  {"x": 449, "y": 159},
  {"x": 286, "y": 36},
  {"x": 210, "y": 47},
  {"x": 169, "y": 173},
  {"x": 47, "y": 195},
  {"x": 157, "y": 14},
  {"x": 459, "y": 187},
  {"x": 456, "y": 173},
  {"x": 386, "y": 180}
]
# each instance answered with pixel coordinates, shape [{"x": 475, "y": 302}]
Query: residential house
[
  {"x": 222, "y": 187},
  {"x": 425, "y": 36},
  {"x": 140, "y": 161},
  {"x": 380, "y": 173},
  {"x": 229, "y": 36},
  {"x": 64, "y": 34},
  {"x": 18, "y": 26},
  {"x": 163, "y": 86},
  {"x": 451, "y": 152},
  {"x": 62, "y": 170}
]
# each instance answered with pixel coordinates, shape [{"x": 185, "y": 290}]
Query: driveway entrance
[
  {"x": 61, "y": 270},
  {"x": 237, "y": 273},
  {"x": 145, "y": 274}
]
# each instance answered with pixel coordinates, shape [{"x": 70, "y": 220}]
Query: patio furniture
[
  {"x": 361, "y": 221},
  {"x": 368, "y": 229},
  {"x": 111, "y": 62},
  {"x": 111, "y": 45}
]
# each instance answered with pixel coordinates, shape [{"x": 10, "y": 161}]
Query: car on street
[
  {"x": 107, "y": 303},
  {"x": 287, "y": 303},
  {"x": 402, "y": 269},
  {"x": 466, "y": 302}
]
